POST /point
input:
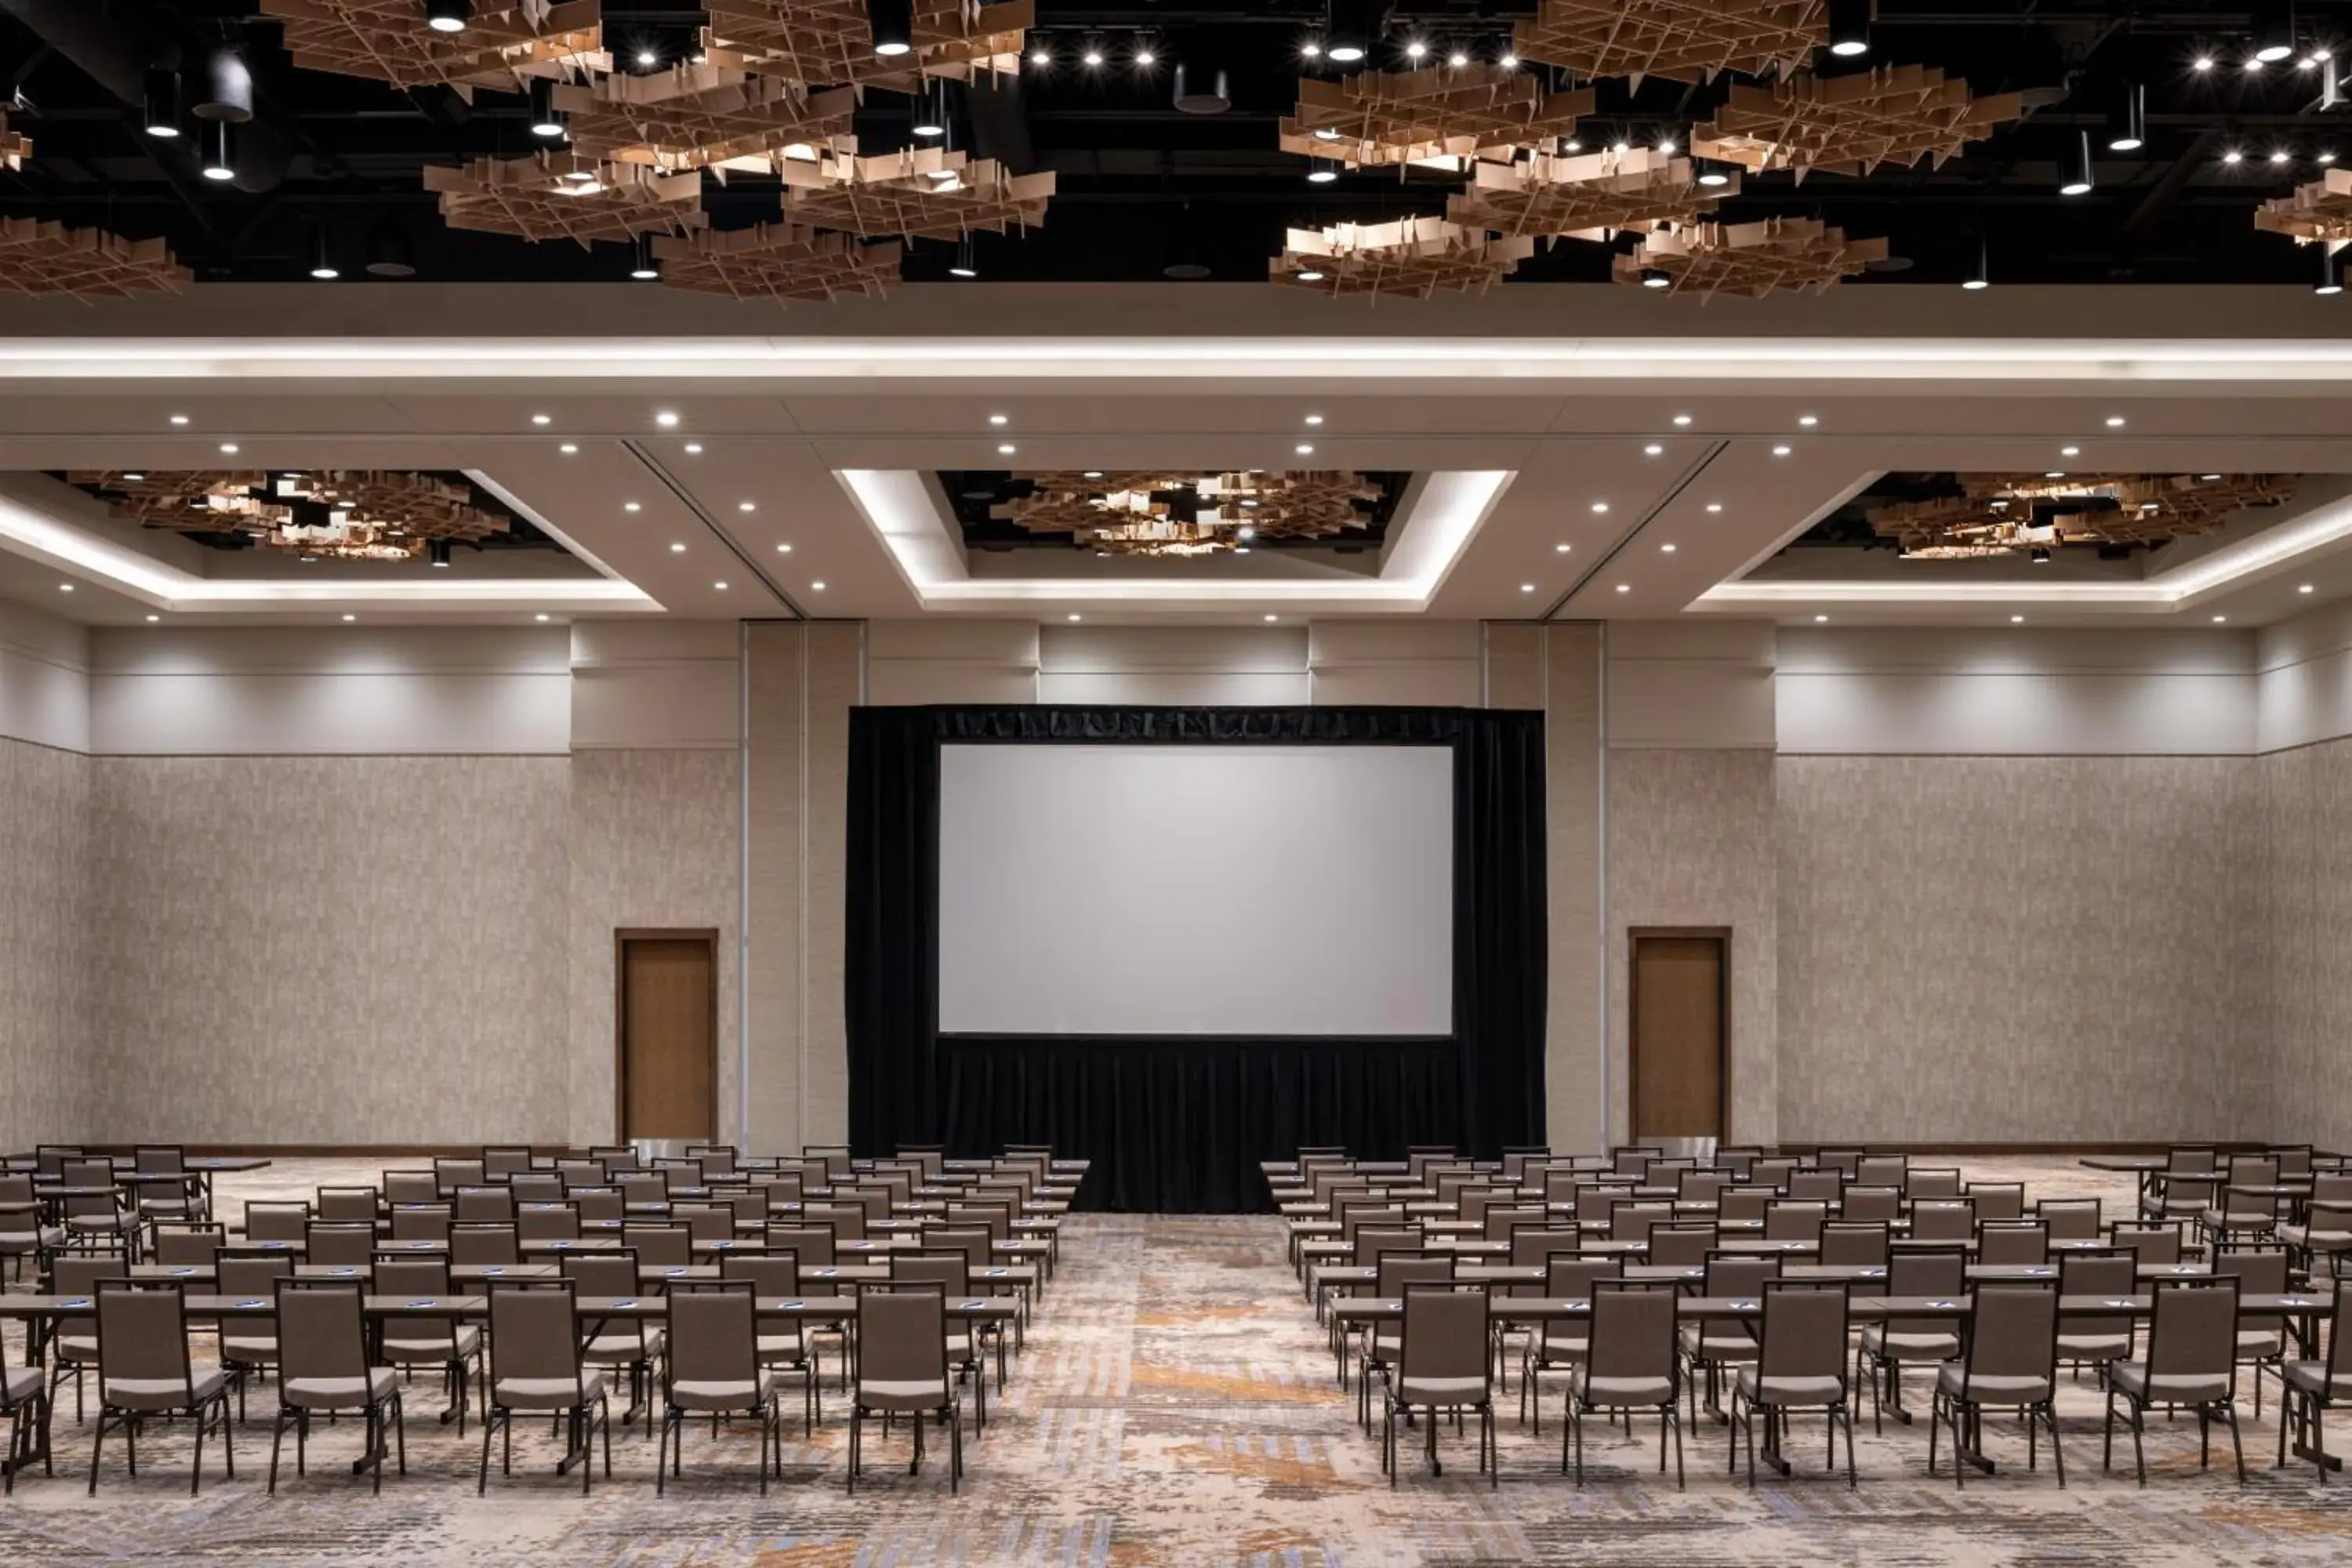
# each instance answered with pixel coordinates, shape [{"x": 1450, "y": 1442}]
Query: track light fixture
[
  {"x": 2075, "y": 178},
  {"x": 1850, "y": 27},
  {"x": 643, "y": 267},
  {"x": 2273, "y": 30},
  {"x": 546, "y": 120},
  {"x": 2129, "y": 134},
  {"x": 220, "y": 155},
  {"x": 2331, "y": 273},
  {"x": 163, "y": 105},
  {"x": 893, "y": 22},
  {"x": 449, "y": 15}
]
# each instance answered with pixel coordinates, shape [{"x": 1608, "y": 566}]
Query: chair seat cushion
[
  {"x": 621, "y": 1347},
  {"x": 2093, "y": 1347},
  {"x": 436, "y": 1348},
  {"x": 164, "y": 1393},
  {"x": 250, "y": 1347},
  {"x": 1441, "y": 1390},
  {"x": 2185, "y": 1388},
  {"x": 2260, "y": 1342},
  {"x": 2311, "y": 1377},
  {"x": 1621, "y": 1390},
  {"x": 916, "y": 1394},
  {"x": 1992, "y": 1388},
  {"x": 19, "y": 1383},
  {"x": 691, "y": 1395},
  {"x": 1790, "y": 1390},
  {"x": 1720, "y": 1344},
  {"x": 1557, "y": 1355},
  {"x": 76, "y": 1347},
  {"x": 340, "y": 1392},
  {"x": 547, "y": 1392},
  {"x": 1928, "y": 1344}
]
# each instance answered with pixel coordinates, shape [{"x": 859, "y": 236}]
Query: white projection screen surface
[{"x": 1200, "y": 890}]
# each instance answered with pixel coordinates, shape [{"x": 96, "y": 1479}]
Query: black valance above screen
[{"x": 1180, "y": 1124}]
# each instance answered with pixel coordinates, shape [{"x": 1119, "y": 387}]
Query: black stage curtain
[{"x": 1180, "y": 1124}]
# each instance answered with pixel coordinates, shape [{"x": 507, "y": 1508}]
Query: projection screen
[{"x": 1202, "y": 889}]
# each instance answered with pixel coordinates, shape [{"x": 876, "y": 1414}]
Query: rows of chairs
[{"x": 1739, "y": 1278}]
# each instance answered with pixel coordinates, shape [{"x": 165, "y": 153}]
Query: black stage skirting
[{"x": 1180, "y": 1125}]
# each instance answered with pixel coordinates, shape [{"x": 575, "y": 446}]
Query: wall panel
[{"x": 49, "y": 925}]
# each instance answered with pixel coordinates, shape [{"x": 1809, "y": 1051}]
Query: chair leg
[
  {"x": 276, "y": 1442},
  {"x": 490, "y": 1426},
  {"x": 96, "y": 1441},
  {"x": 1674, "y": 1420},
  {"x": 2237, "y": 1446},
  {"x": 2057, "y": 1454},
  {"x": 857, "y": 1424},
  {"x": 1576, "y": 1428},
  {"x": 2139, "y": 1455}
]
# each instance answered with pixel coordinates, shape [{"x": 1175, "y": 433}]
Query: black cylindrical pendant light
[
  {"x": 1980, "y": 273},
  {"x": 546, "y": 120},
  {"x": 163, "y": 105},
  {"x": 893, "y": 22},
  {"x": 2331, "y": 273},
  {"x": 1202, "y": 90},
  {"x": 228, "y": 88},
  {"x": 2074, "y": 177},
  {"x": 931, "y": 109},
  {"x": 1850, "y": 27},
  {"x": 2129, "y": 132},
  {"x": 2272, "y": 29},
  {"x": 220, "y": 150},
  {"x": 642, "y": 265}
]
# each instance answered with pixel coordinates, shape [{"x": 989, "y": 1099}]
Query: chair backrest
[
  {"x": 1818, "y": 1186},
  {"x": 713, "y": 1338},
  {"x": 502, "y": 1161},
  {"x": 2069, "y": 1219},
  {"x": 1375, "y": 1239},
  {"x": 1532, "y": 1245},
  {"x": 1997, "y": 1200},
  {"x": 2189, "y": 1160},
  {"x": 848, "y": 1220},
  {"x": 416, "y": 1279},
  {"x": 2012, "y": 1332},
  {"x": 1635, "y": 1163},
  {"x": 49, "y": 1159},
  {"x": 1804, "y": 1332},
  {"x": 142, "y": 1334},
  {"x": 590, "y": 1173},
  {"x": 533, "y": 1333},
  {"x": 548, "y": 1222},
  {"x": 1773, "y": 1170},
  {"x": 2333, "y": 1216},
  {"x": 948, "y": 1270},
  {"x": 663, "y": 1245},
  {"x": 611, "y": 1273},
  {"x": 1632, "y": 1335},
  {"x": 679, "y": 1174},
  {"x": 2295, "y": 1160},
  {"x": 72, "y": 1276},
  {"x": 234, "y": 1276},
  {"x": 1677, "y": 1245},
  {"x": 1931, "y": 1182},
  {"x": 2339, "y": 1344},
  {"x": 1593, "y": 1201},
  {"x": 613, "y": 1157},
  {"x": 338, "y": 1244},
  {"x": 488, "y": 1204},
  {"x": 1632, "y": 1222},
  {"x": 451, "y": 1175},
  {"x": 1399, "y": 1271},
  {"x": 169, "y": 1160},
  {"x": 1844, "y": 1162},
  {"x": 15, "y": 1187},
  {"x": 485, "y": 1244},
  {"x": 1935, "y": 1273},
  {"x": 775, "y": 1272},
  {"x": 718, "y": 1160},
  {"x": 705, "y": 1221},
  {"x": 421, "y": 1222},
  {"x": 1503, "y": 1218},
  {"x": 2108, "y": 1275},
  {"x": 813, "y": 1244},
  {"x": 969, "y": 1240},
  {"x": 1742, "y": 1203},
  {"x": 2258, "y": 1273},
  {"x": 2331, "y": 1187},
  {"x": 2150, "y": 1243},
  {"x": 536, "y": 1187},
  {"x": 902, "y": 1336},
  {"x": 188, "y": 1245},
  {"x": 353, "y": 1204},
  {"x": 1792, "y": 1219},
  {"x": 1943, "y": 1219},
  {"x": 266, "y": 1221},
  {"x": 1861, "y": 1243},
  {"x": 2014, "y": 1241},
  {"x": 1702, "y": 1187},
  {"x": 1740, "y": 1275},
  {"x": 1444, "y": 1335},
  {"x": 1881, "y": 1169},
  {"x": 2253, "y": 1169},
  {"x": 2193, "y": 1330},
  {"x": 320, "y": 1334},
  {"x": 411, "y": 1187},
  {"x": 642, "y": 1187}
]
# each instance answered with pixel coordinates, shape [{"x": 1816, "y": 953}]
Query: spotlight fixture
[
  {"x": 1656, "y": 278},
  {"x": 747, "y": 506},
  {"x": 1311, "y": 50},
  {"x": 666, "y": 419},
  {"x": 1304, "y": 449},
  {"x": 351, "y": 618},
  {"x": 389, "y": 254},
  {"x": 2038, "y": 557},
  {"x": 1526, "y": 588},
  {"x": 152, "y": 619},
  {"x": 932, "y": 110},
  {"x": 783, "y": 549},
  {"x": 1076, "y": 616},
  {"x": 163, "y": 105},
  {"x": 694, "y": 448},
  {"x": 541, "y": 617},
  {"x": 1666, "y": 549},
  {"x": 2070, "y": 451},
  {"x": 1457, "y": 60},
  {"x": 1205, "y": 91},
  {"x": 2201, "y": 63},
  {"x": 1682, "y": 419},
  {"x": 1271, "y": 619},
  {"x": 570, "y": 448},
  {"x": 546, "y": 120},
  {"x": 817, "y": 586},
  {"x": 1781, "y": 451},
  {"x": 228, "y": 449},
  {"x": 1652, "y": 450},
  {"x": 1563, "y": 548},
  {"x": 1006, "y": 448},
  {"x": 1416, "y": 50},
  {"x": 1319, "y": 172},
  {"x": 449, "y": 15},
  {"x": 2075, "y": 178},
  {"x": 1311, "y": 277},
  {"x": 1600, "y": 507},
  {"x": 1041, "y": 57},
  {"x": 647, "y": 59},
  {"x": 1715, "y": 505},
  {"x": 630, "y": 506},
  {"x": 1712, "y": 174},
  {"x": 1508, "y": 62},
  {"x": 179, "y": 419},
  {"x": 437, "y": 552},
  {"x": 2272, "y": 29},
  {"x": 1625, "y": 587},
  {"x": 676, "y": 548},
  {"x": 220, "y": 156},
  {"x": 1354, "y": 24},
  {"x": 1980, "y": 274},
  {"x": 2331, "y": 276},
  {"x": 893, "y": 23},
  {"x": 2219, "y": 620},
  {"x": 642, "y": 265},
  {"x": 2115, "y": 421},
  {"x": 322, "y": 257},
  {"x": 999, "y": 419},
  {"x": 1146, "y": 58},
  {"x": 2234, "y": 157},
  {"x": 1819, "y": 619},
  {"x": 2129, "y": 134},
  {"x": 1092, "y": 57},
  {"x": 1849, "y": 27},
  {"x": 1666, "y": 146},
  {"x": 2280, "y": 154},
  {"x": 1808, "y": 420},
  {"x": 2016, "y": 620}
]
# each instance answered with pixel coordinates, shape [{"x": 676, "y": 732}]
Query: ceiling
[
  {"x": 1564, "y": 461},
  {"x": 1141, "y": 186}
]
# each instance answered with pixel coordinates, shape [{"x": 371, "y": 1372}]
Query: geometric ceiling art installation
[
  {"x": 362, "y": 515},
  {"x": 1155, "y": 512},
  {"x": 2318, "y": 213},
  {"x": 821, "y": 42},
  {"x": 2000, "y": 515},
  {"x": 560, "y": 195},
  {"x": 505, "y": 42},
  {"x": 703, "y": 116},
  {"x": 777, "y": 262},
  {"x": 1415, "y": 256},
  {"x": 1681, "y": 40},
  {"x": 15, "y": 145},
  {"x": 1587, "y": 196},
  {"x": 1445, "y": 119},
  {"x": 1749, "y": 259},
  {"x": 922, "y": 192},
  {"x": 38, "y": 257},
  {"x": 1850, "y": 124}
]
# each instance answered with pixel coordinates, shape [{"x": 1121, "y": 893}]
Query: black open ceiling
[{"x": 1143, "y": 186}]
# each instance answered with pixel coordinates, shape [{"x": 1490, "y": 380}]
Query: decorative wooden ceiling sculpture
[
  {"x": 1850, "y": 124},
  {"x": 15, "y": 145},
  {"x": 1751, "y": 260},
  {"x": 353, "y": 514},
  {"x": 42, "y": 257},
  {"x": 1448, "y": 117},
  {"x": 559, "y": 195},
  {"x": 923, "y": 193},
  {"x": 387, "y": 40},
  {"x": 1415, "y": 256},
  {"x": 1155, "y": 512},
  {"x": 828, "y": 41},
  {"x": 704, "y": 116},
  {"x": 2005, "y": 514},
  {"x": 1586, "y": 195},
  {"x": 778, "y": 262},
  {"x": 2319, "y": 212},
  {"x": 1682, "y": 40}
]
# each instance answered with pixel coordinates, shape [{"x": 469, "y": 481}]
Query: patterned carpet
[{"x": 1176, "y": 1407}]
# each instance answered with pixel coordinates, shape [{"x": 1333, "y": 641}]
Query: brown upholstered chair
[
  {"x": 536, "y": 1370},
  {"x": 144, "y": 1371},
  {"x": 902, "y": 1370},
  {"x": 713, "y": 1368},
  {"x": 2192, "y": 1365},
  {"x": 1629, "y": 1366},
  {"x": 1441, "y": 1364},
  {"x": 2011, "y": 1364},
  {"x": 324, "y": 1367},
  {"x": 1800, "y": 1366}
]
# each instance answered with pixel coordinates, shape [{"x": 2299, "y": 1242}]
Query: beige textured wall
[
  {"x": 1690, "y": 845},
  {"x": 2304, "y": 857},
  {"x": 328, "y": 950},
  {"x": 654, "y": 840},
  {"x": 47, "y": 929},
  {"x": 2030, "y": 949}
]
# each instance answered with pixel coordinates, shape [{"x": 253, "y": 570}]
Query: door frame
[
  {"x": 1633, "y": 938},
  {"x": 622, "y": 936}
]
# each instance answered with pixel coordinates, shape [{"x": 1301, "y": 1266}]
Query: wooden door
[
  {"x": 1680, "y": 1031},
  {"x": 668, "y": 1011}
]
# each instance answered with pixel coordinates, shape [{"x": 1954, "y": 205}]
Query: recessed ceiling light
[
  {"x": 228, "y": 449},
  {"x": 1651, "y": 451},
  {"x": 133, "y": 475},
  {"x": 2202, "y": 63},
  {"x": 1315, "y": 419},
  {"x": 998, "y": 418},
  {"x": 2302, "y": 588},
  {"x": 1274, "y": 617},
  {"x": 1625, "y": 587},
  {"x": 2209, "y": 479},
  {"x": 1509, "y": 62},
  {"x": 1311, "y": 277},
  {"x": 2070, "y": 451},
  {"x": 2016, "y": 620},
  {"x": 1715, "y": 505},
  {"x": 1600, "y": 506},
  {"x": 1808, "y": 420},
  {"x": 677, "y": 549},
  {"x": 1304, "y": 449},
  {"x": 65, "y": 587},
  {"x": 1094, "y": 473},
  {"x": 2115, "y": 421},
  {"x": 1819, "y": 619},
  {"x": 747, "y": 506},
  {"x": 783, "y": 549},
  {"x": 1563, "y": 549},
  {"x": 351, "y": 618},
  {"x": 1682, "y": 418},
  {"x": 152, "y": 619},
  {"x": 1666, "y": 549},
  {"x": 666, "y": 419},
  {"x": 1075, "y": 615},
  {"x": 721, "y": 586},
  {"x": 631, "y": 506},
  {"x": 2054, "y": 474},
  {"x": 2233, "y": 156},
  {"x": 2218, "y": 619},
  {"x": 1006, "y": 448},
  {"x": 1416, "y": 50},
  {"x": 1779, "y": 451},
  {"x": 2279, "y": 155},
  {"x": 540, "y": 618},
  {"x": 1457, "y": 60},
  {"x": 179, "y": 419},
  {"x": 817, "y": 586},
  {"x": 694, "y": 448},
  {"x": 541, "y": 419},
  {"x": 1040, "y": 58},
  {"x": 1526, "y": 588},
  {"x": 569, "y": 449}
]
